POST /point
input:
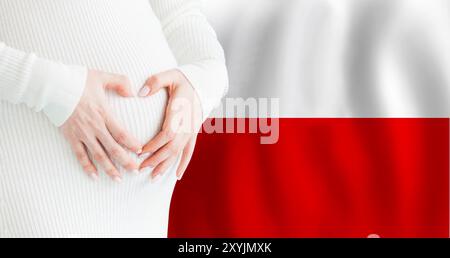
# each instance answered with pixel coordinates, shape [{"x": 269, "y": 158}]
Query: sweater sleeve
[
  {"x": 195, "y": 45},
  {"x": 43, "y": 85}
]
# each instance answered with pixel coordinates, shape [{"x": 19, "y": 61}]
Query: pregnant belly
[
  {"x": 142, "y": 117},
  {"x": 24, "y": 133},
  {"x": 28, "y": 132},
  {"x": 40, "y": 175}
]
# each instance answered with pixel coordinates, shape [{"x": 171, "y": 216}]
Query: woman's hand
[
  {"x": 182, "y": 122},
  {"x": 92, "y": 128}
]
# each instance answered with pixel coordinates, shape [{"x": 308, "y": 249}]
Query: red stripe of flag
[{"x": 324, "y": 178}]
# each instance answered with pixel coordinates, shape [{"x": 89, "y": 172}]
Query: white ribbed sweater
[{"x": 46, "y": 47}]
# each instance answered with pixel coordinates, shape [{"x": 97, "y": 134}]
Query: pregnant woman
[{"x": 99, "y": 89}]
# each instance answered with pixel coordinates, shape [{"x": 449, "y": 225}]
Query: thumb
[
  {"x": 119, "y": 84},
  {"x": 157, "y": 82}
]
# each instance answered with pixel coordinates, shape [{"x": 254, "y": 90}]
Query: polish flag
[{"x": 336, "y": 123}]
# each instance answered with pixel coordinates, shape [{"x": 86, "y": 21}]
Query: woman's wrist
[
  {"x": 210, "y": 82},
  {"x": 57, "y": 89},
  {"x": 41, "y": 84}
]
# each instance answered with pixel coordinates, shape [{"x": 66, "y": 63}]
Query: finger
[
  {"x": 116, "y": 152},
  {"x": 83, "y": 158},
  {"x": 186, "y": 158},
  {"x": 119, "y": 84},
  {"x": 162, "y": 168},
  {"x": 159, "y": 81},
  {"x": 173, "y": 148},
  {"x": 122, "y": 136},
  {"x": 161, "y": 139},
  {"x": 155, "y": 159},
  {"x": 105, "y": 162}
]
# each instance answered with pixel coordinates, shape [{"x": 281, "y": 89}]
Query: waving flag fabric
[{"x": 363, "y": 135}]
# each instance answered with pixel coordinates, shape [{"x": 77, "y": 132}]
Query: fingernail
[
  {"x": 156, "y": 178},
  {"x": 93, "y": 176},
  {"x": 144, "y": 91},
  {"x": 139, "y": 152},
  {"x": 117, "y": 179}
]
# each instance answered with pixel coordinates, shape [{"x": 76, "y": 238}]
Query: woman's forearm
[{"x": 41, "y": 84}]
